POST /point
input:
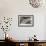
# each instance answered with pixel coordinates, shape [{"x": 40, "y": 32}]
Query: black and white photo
[{"x": 26, "y": 20}]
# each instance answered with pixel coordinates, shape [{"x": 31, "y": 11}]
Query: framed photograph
[{"x": 25, "y": 20}]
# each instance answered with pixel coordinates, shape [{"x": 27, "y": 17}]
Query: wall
[{"x": 13, "y": 8}]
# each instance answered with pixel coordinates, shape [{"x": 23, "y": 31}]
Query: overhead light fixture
[{"x": 36, "y": 3}]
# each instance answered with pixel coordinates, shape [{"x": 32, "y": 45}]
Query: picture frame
[{"x": 25, "y": 20}]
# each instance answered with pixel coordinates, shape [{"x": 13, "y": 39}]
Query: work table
[{"x": 24, "y": 42}]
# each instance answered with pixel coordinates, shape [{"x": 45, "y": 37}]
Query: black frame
[{"x": 30, "y": 25}]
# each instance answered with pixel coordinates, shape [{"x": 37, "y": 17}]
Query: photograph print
[{"x": 25, "y": 20}]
